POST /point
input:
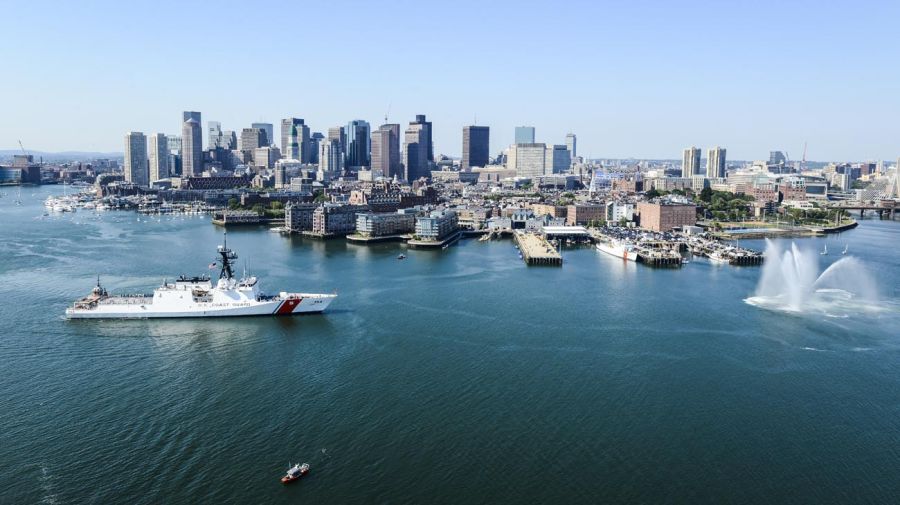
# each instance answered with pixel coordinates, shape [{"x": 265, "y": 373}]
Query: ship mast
[{"x": 227, "y": 257}]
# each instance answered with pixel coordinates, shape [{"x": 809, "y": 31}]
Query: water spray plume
[{"x": 791, "y": 282}]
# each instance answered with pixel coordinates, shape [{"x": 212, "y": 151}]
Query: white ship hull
[
  {"x": 618, "y": 250},
  {"x": 144, "y": 308}
]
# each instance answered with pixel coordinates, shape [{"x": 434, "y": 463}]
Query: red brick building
[{"x": 666, "y": 216}]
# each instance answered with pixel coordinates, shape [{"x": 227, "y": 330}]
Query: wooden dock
[{"x": 536, "y": 250}]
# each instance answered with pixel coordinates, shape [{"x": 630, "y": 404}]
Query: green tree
[
  {"x": 320, "y": 197},
  {"x": 706, "y": 195},
  {"x": 259, "y": 209},
  {"x": 276, "y": 206},
  {"x": 653, "y": 193},
  {"x": 233, "y": 203}
]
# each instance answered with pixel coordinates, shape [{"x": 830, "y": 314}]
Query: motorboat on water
[
  {"x": 824, "y": 250},
  {"x": 295, "y": 472},
  {"x": 401, "y": 256}
]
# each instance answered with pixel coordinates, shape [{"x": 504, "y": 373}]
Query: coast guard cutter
[{"x": 199, "y": 297}]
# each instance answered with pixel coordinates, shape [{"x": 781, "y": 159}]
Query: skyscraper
[
  {"x": 386, "y": 150},
  {"x": 475, "y": 147},
  {"x": 174, "y": 144},
  {"x": 690, "y": 162},
  {"x": 777, "y": 158},
  {"x": 426, "y": 136},
  {"x": 306, "y": 147},
  {"x": 292, "y": 140},
  {"x": 314, "y": 141},
  {"x": 192, "y": 148},
  {"x": 214, "y": 135},
  {"x": 715, "y": 163},
  {"x": 331, "y": 160},
  {"x": 159, "y": 157},
  {"x": 528, "y": 160},
  {"x": 571, "y": 146},
  {"x": 251, "y": 138},
  {"x": 190, "y": 114},
  {"x": 269, "y": 132},
  {"x": 557, "y": 159},
  {"x": 524, "y": 134},
  {"x": 415, "y": 152},
  {"x": 229, "y": 140},
  {"x": 136, "y": 171},
  {"x": 337, "y": 133},
  {"x": 357, "y": 148}
]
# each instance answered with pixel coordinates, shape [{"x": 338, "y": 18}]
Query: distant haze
[{"x": 631, "y": 79}]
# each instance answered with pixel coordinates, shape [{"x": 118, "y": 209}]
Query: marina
[{"x": 671, "y": 249}]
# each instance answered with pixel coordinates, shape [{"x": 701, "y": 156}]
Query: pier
[
  {"x": 659, "y": 253},
  {"x": 414, "y": 243},
  {"x": 536, "y": 250}
]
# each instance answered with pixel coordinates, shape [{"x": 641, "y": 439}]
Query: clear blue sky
[{"x": 630, "y": 78}]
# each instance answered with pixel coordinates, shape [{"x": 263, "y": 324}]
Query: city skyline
[{"x": 778, "y": 81}]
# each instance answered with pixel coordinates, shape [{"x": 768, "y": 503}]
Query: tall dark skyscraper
[
  {"x": 357, "y": 146},
  {"x": 192, "y": 147},
  {"x": 415, "y": 151},
  {"x": 314, "y": 140},
  {"x": 427, "y": 139},
  {"x": 386, "y": 150},
  {"x": 476, "y": 147},
  {"x": 190, "y": 114}
]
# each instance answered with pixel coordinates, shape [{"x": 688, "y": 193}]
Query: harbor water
[{"x": 453, "y": 376}]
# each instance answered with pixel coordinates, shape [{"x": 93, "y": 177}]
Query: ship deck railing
[{"x": 127, "y": 300}]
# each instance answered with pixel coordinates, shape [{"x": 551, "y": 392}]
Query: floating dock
[{"x": 536, "y": 250}]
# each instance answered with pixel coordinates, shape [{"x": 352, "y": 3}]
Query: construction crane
[
  {"x": 387, "y": 113},
  {"x": 23, "y": 148},
  {"x": 803, "y": 161}
]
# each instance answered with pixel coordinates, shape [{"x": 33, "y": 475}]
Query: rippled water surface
[{"x": 456, "y": 376}]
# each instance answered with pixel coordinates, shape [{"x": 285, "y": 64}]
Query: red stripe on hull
[{"x": 288, "y": 306}]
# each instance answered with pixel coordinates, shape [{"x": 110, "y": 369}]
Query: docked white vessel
[
  {"x": 618, "y": 249},
  {"x": 199, "y": 297}
]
